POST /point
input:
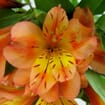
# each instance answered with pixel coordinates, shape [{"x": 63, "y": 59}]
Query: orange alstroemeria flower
[
  {"x": 52, "y": 53},
  {"x": 4, "y": 40},
  {"x": 94, "y": 98}
]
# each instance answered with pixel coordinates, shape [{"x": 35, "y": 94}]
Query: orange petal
[
  {"x": 2, "y": 66},
  {"x": 96, "y": 100},
  {"x": 71, "y": 88},
  {"x": 4, "y": 37},
  {"x": 57, "y": 66},
  {"x": 52, "y": 95},
  {"x": 27, "y": 34},
  {"x": 82, "y": 65},
  {"x": 86, "y": 48},
  {"x": 9, "y": 92},
  {"x": 85, "y": 16},
  {"x": 98, "y": 63},
  {"x": 55, "y": 24},
  {"x": 84, "y": 81},
  {"x": 21, "y": 77},
  {"x": 22, "y": 100},
  {"x": 20, "y": 57},
  {"x": 76, "y": 32}
]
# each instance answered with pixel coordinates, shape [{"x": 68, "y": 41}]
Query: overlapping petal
[
  {"x": 21, "y": 77},
  {"x": 27, "y": 34},
  {"x": 10, "y": 92},
  {"x": 85, "y": 16},
  {"x": 58, "y": 66},
  {"x": 70, "y": 89},
  {"x": 22, "y": 100},
  {"x": 98, "y": 62},
  {"x": 54, "y": 25},
  {"x": 18, "y": 56}
]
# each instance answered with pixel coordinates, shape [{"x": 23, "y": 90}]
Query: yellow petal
[
  {"x": 51, "y": 67},
  {"x": 71, "y": 88},
  {"x": 96, "y": 100},
  {"x": 41, "y": 77},
  {"x": 27, "y": 34},
  {"x": 55, "y": 24},
  {"x": 60, "y": 101}
]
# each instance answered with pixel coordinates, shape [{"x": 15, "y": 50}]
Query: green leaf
[
  {"x": 92, "y": 4},
  {"x": 74, "y": 2},
  {"x": 96, "y": 81},
  {"x": 45, "y": 5},
  {"x": 40, "y": 16},
  {"x": 101, "y": 23},
  {"x": 101, "y": 8},
  {"x": 11, "y": 19},
  {"x": 102, "y": 39},
  {"x": 5, "y": 12},
  {"x": 9, "y": 68}
]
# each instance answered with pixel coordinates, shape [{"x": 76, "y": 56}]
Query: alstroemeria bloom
[
  {"x": 4, "y": 40},
  {"x": 94, "y": 98},
  {"x": 52, "y": 53}
]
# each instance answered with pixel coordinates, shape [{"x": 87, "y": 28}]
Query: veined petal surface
[
  {"x": 49, "y": 68},
  {"x": 55, "y": 24}
]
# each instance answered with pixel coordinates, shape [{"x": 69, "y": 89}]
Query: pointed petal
[
  {"x": 2, "y": 66},
  {"x": 96, "y": 100},
  {"x": 20, "y": 57},
  {"x": 52, "y": 95},
  {"x": 60, "y": 101},
  {"x": 76, "y": 32},
  {"x": 41, "y": 79},
  {"x": 55, "y": 24},
  {"x": 71, "y": 88},
  {"x": 85, "y": 16},
  {"x": 21, "y": 77},
  {"x": 9, "y": 92},
  {"x": 86, "y": 48},
  {"x": 57, "y": 66},
  {"x": 27, "y": 34}
]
